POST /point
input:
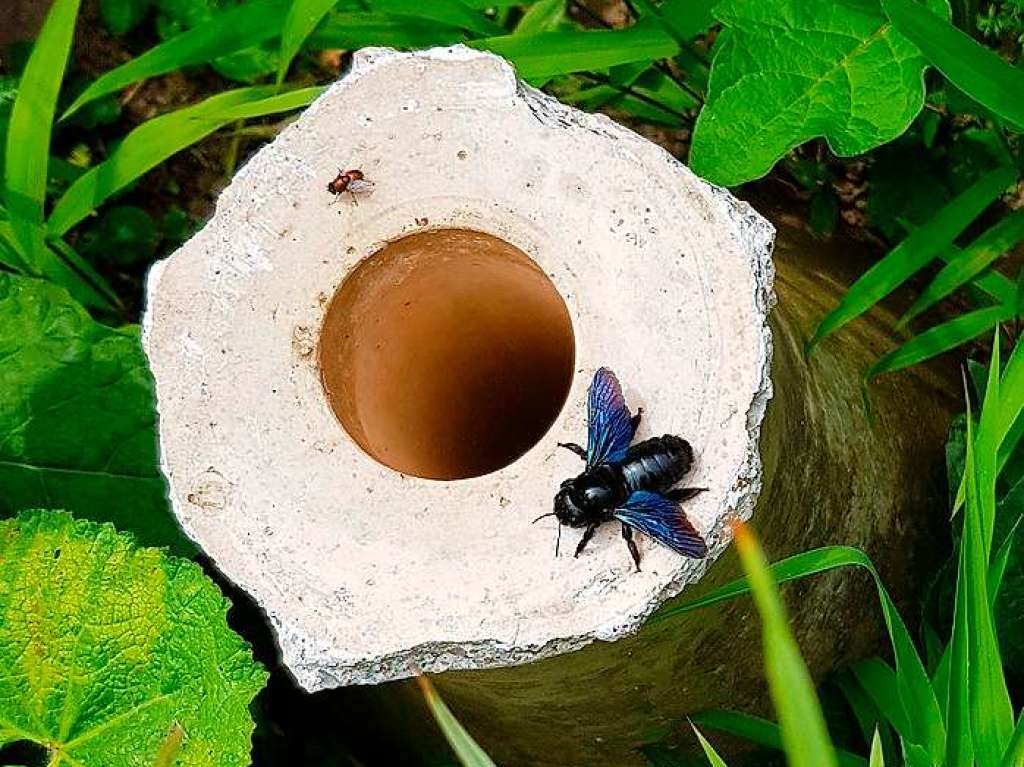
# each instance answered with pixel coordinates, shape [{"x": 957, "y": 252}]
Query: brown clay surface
[{"x": 447, "y": 354}]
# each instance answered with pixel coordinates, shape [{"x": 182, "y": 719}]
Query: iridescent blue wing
[
  {"x": 655, "y": 515},
  {"x": 610, "y": 429}
]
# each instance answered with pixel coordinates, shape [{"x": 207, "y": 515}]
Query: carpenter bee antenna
[{"x": 538, "y": 519}]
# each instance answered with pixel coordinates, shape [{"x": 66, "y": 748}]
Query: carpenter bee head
[{"x": 569, "y": 506}]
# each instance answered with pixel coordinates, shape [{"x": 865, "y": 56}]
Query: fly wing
[
  {"x": 360, "y": 186},
  {"x": 655, "y": 515},
  {"x": 610, "y": 429}
]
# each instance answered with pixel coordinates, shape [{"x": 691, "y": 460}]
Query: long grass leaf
[
  {"x": 991, "y": 714},
  {"x": 916, "y": 690},
  {"x": 1014, "y": 756},
  {"x": 688, "y": 18},
  {"x": 759, "y": 731},
  {"x": 357, "y": 30},
  {"x": 462, "y": 743},
  {"x": 542, "y": 16},
  {"x": 976, "y": 70},
  {"x": 31, "y": 122},
  {"x": 450, "y": 13},
  {"x": 1001, "y": 559},
  {"x": 227, "y": 31},
  {"x": 942, "y": 338},
  {"x": 920, "y": 247},
  {"x": 877, "y": 758},
  {"x": 303, "y": 16},
  {"x": 801, "y": 720},
  {"x": 709, "y": 751},
  {"x": 971, "y": 261},
  {"x": 156, "y": 140},
  {"x": 878, "y": 680},
  {"x": 546, "y": 54},
  {"x": 959, "y": 748}
]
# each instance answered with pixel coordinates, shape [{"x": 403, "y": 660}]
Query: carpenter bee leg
[
  {"x": 587, "y": 535},
  {"x": 573, "y": 447},
  {"x": 627, "y": 534},
  {"x": 680, "y": 494},
  {"x": 355, "y": 201},
  {"x": 558, "y": 539},
  {"x": 635, "y": 420}
]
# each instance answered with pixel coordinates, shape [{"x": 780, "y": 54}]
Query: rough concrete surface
[{"x": 364, "y": 571}]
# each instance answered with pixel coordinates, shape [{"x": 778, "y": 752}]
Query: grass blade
[
  {"x": 970, "y": 66},
  {"x": 1015, "y": 751},
  {"x": 916, "y": 690},
  {"x": 303, "y": 16},
  {"x": 547, "y": 54},
  {"x": 877, "y": 759},
  {"x": 942, "y": 338},
  {"x": 970, "y": 262},
  {"x": 228, "y": 31},
  {"x": 462, "y": 743},
  {"x": 450, "y": 13},
  {"x": 156, "y": 140},
  {"x": 920, "y": 247},
  {"x": 542, "y": 16},
  {"x": 356, "y": 30},
  {"x": 878, "y": 680},
  {"x": 709, "y": 751},
  {"x": 688, "y": 18},
  {"x": 801, "y": 721},
  {"x": 31, "y": 122}
]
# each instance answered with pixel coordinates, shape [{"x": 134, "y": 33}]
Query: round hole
[{"x": 447, "y": 354}]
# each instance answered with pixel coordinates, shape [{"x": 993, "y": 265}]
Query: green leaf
[
  {"x": 787, "y": 71},
  {"x": 801, "y": 722},
  {"x": 450, "y": 13},
  {"x": 942, "y": 338},
  {"x": 31, "y": 125},
  {"x": 117, "y": 656},
  {"x": 970, "y": 66},
  {"x": 878, "y": 680},
  {"x": 468, "y": 751},
  {"x": 546, "y": 54},
  {"x": 77, "y": 415},
  {"x": 759, "y": 731},
  {"x": 688, "y": 18},
  {"x": 713, "y": 758},
  {"x": 542, "y": 16},
  {"x": 122, "y": 16},
  {"x": 156, "y": 140},
  {"x": 231, "y": 30},
  {"x": 1015, "y": 751},
  {"x": 125, "y": 235},
  {"x": 357, "y": 30},
  {"x": 303, "y": 16},
  {"x": 920, "y": 247},
  {"x": 970, "y": 262},
  {"x": 877, "y": 759},
  {"x": 915, "y": 687}
]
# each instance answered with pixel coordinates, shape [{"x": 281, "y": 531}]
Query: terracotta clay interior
[{"x": 447, "y": 354}]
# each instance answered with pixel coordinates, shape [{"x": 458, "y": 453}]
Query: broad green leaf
[
  {"x": 31, "y": 125},
  {"x": 357, "y": 30},
  {"x": 303, "y": 16},
  {"x": 975, "y": 69},
  {"x": 920, "y": 247},
  {"x": 546, "y": 54},
  {"x": 542, "y": 16},
  {"x": 713, "y": 758},
  {"x": 117, "y": 656},
  {"x": 942, "y": 338},
  {"x": 234, "y": 29},
  {"x": 470, "y": 754},
  {"x": 77, "y": 415},
  {"x": 156, "y": 140},
  {"x": 787, "y": 71},
  {"x": 759, "y": 731},
  {"x": 915, "y": 686},
  {"x": 970, "y": 262},
  {"x": 801, "y": 722},
  {"x": 450, "y": 13},
  {"x": 877, "y": 759}
]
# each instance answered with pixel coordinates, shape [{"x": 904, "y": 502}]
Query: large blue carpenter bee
[{"x": 629, "y": 483}]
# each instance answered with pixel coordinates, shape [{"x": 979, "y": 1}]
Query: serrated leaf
[
  {"x": 77, "y": 415},
  {"x": 787, "y": 71},
  {"x": 117, "y": 656}
]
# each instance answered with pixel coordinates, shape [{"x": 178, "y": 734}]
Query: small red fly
[{"x": 351, "y": 181}]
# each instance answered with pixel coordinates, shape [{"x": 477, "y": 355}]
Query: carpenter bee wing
[
  {"x": 655, "y": 515},
  {"x": 610, "y": 429}
]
